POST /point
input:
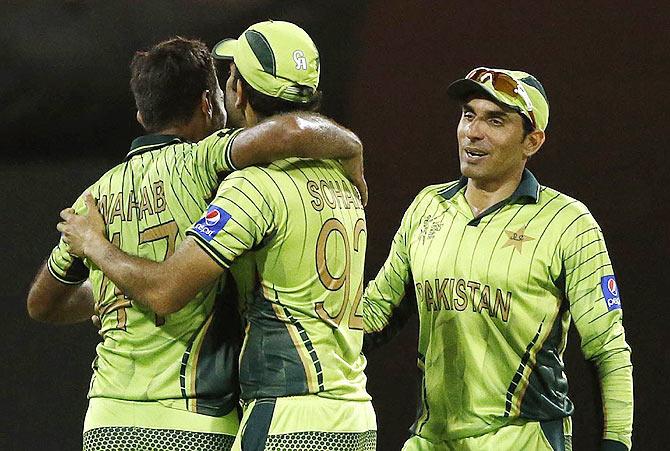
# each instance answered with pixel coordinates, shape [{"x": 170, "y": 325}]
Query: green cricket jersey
[
  {"x": 495, "y": 296},
  {"x": 302, "y": 231},
  {"x": 186, "y": 360}
]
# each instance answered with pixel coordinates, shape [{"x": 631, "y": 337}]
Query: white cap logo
[{"x": 299, "y": 59}]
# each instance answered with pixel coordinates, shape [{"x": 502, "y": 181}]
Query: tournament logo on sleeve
[
  {"x": 212, "y": 222},
  {"x": 610, "y": 292}
]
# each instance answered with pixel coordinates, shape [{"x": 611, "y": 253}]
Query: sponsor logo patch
[
  {"x": 610, "y": 292},
  {"x": 212, "y": 222}
]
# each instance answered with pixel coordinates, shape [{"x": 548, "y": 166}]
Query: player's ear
[
  {"x": 140, "y": 119},
  {"x": 206, "y": 103},
  {"x": 532, "y": 142},
  {"x": 241, "y": 96}
]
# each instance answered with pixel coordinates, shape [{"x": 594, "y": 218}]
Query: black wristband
[{"x": 613, "y": 445}]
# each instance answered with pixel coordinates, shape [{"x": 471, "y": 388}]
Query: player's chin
[{"x": 470, "y": 170}]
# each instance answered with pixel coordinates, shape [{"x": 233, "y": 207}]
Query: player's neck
[
  {"x": 190, "y": 131},
  {"x": 251, "y": 116},
  {"x": 483, "y": 194}
]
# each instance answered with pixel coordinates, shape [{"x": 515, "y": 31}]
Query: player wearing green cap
[
  {"x": 255, "y": 54},
  {"x": 295, "y": 235},
  {"x": 169, "y": 381},
  {"x": 500, "y": 266}
]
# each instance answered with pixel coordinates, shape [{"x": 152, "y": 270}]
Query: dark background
[{"x": 67, "y": 115}]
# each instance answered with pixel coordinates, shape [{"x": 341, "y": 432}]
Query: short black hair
[
  {"x": 527, "y": 125},
  {"x": 267, "y": 105},
  {"x": 168, "y": 80}
]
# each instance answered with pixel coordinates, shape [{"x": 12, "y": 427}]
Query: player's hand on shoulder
[
  {"x": 353, "y": 167},
  {"x": 81, "y": 230}
]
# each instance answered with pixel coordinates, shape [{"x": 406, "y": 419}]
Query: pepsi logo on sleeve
[
  {"x": 610, "y": 292},
  {"x": 212, "y": 222}
]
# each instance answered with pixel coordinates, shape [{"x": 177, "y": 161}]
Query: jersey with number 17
[
  {"x": 299, "y": 228},
  {"x": 148, "y": 202}
]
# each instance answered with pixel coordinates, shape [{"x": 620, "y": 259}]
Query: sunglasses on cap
[{"x": 504, "y": 83}]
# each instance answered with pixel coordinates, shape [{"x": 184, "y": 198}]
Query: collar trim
[
  {"x": 148, "y": 143},
  {"x": 528, "y": 189}
]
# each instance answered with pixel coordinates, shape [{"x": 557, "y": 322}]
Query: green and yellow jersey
[
  {"x": 495, "y": 295},
  {"x": 299, "y": 229},
  {"x": 186, "y": 360}
]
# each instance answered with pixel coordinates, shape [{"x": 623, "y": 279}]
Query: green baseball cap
[
  {"x": 276, "y": 58},
  {"x": 518, "y": 90}
]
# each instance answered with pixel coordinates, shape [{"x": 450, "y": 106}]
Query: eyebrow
[{"x": 489, "y": 113}]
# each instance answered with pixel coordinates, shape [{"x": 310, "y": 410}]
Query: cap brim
[
  {"x": 464, "y": 88},
  {"x": 225, "y": 49}
]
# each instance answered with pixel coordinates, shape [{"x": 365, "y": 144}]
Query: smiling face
[{"x": 492, "y": 146}]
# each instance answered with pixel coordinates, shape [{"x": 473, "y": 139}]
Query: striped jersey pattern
[
  {"x": 297, "y": 228},
  {"x": 148, "y": 202},
  {"x": 496, "y": 294}
]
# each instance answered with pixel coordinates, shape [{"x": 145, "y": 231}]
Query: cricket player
[
  {"x": 169, "y": 381},
  {"x": 298, "y": 225},
  {"x": 500, "y": 266}
]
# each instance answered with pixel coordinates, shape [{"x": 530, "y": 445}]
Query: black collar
[
  {"x": 528, "y": 191},
  {"x": 147, "y": 143}
]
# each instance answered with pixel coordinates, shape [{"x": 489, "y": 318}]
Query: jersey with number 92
[
  {"x": 148, "y": 202},
  {"x": 299, "y": 228}
]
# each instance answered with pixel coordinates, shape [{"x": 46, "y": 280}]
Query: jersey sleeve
[
  {"x": 212, "y": 158},
  {"x": 64, "y": 267},
  {"x": 239, "y": 218},
  {"x": 595, "y": 305},
  {"x": 383, "y": 294}
]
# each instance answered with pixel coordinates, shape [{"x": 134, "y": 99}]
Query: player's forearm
[
  {"x": 380, "y": 301},
  {"x": 615, "y": 372},
  {"x": 306, "y": 135},
  {"x": 51, "y": 301},
  {"x": 77, "y": 308},
  {"x": 376, "y": 315},
  {"x": 383, "y": 294},
  {"x": 144, "y": 281},
  {"x": 380, "y": 329},
  {"x": 164, "y": 287},
  {"x": 318, "y": 137}
]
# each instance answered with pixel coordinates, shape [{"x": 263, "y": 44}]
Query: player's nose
[{"x": 474, "y": 130}]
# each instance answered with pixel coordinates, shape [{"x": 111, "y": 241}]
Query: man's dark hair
[
  {"x": 527, "y": 125},
  {"x": 168, "y": 81},
  {"x": 267, "y": 105}
]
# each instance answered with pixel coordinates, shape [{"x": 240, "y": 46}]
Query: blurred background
[{"x": 67, "y": 115}]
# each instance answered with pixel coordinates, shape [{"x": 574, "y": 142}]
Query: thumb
[
  {"x": 364, "y": 193},
  {"x": 89, "y": 200}
]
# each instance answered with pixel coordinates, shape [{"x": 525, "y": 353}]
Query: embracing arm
[
  {"x": 164, "y": 287},
  {"x": 303, "y": 134},
  {"x": 52, "y": 301}
]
